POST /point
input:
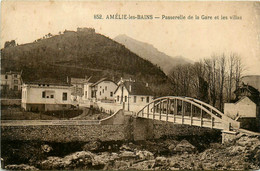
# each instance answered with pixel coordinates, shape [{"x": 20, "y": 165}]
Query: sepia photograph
[{"x": 130, "y": 85}]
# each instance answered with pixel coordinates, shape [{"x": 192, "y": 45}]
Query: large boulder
[
  {"x": 184, "y": 146},
  {"x": 92, "y": 146},
  {"x": 145, "y": 155},
  {"x": 104, "y": 159},
  {"x": 71, "y": 161}
]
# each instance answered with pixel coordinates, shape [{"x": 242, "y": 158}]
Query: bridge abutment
[{"x": 228, "y": 136}]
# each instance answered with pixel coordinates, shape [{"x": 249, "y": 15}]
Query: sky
[{"x": 195, "y": 39}]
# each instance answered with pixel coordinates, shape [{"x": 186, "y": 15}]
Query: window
[
  {"x": 118, "y": 98},
  {"x": 111, "y": 94},
  {"x": 103, "y": 90},
  {"x": 43, "y": 94},
  {"x": 16, "y": 81},
  {"x": 15, "y": 76},
  {"x": 93, "y": 94},
  {"x": 134, "y": 99},
  {"x": 147, "y": 99},
  {"x": 6, "y": 77},
  {"x": 142, "y": 99},
  {"x": 100, "y": 93},
  {"x": 86, "y": 93},
  {"x": 52, "y": 96},
  {"x": 15, "y": 88},
  {"x": 64, "y": 96},
  {"x": 106, "y": 88},
  {"x": 125, "y": 98}
]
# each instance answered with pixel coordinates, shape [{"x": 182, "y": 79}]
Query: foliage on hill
[{"x": 77, "y": 54}]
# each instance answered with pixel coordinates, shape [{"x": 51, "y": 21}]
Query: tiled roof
[
  {"x": 93, "y": 79},
  {"x": 137, "y": 88},
  {"x": 101, "y": 80},
  {"x": 50, "y": 81},
  {"x": 78, "y": 80},
  {"x": 251, "y": 89}
]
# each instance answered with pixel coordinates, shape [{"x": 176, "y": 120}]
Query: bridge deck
[{"x": 187, "y": 120}]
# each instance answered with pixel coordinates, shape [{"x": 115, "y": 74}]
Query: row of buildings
[
  {"x": 105, "y": 93},
  {"x": 50, "y": 95}
]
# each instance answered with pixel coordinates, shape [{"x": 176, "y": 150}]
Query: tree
[
  {"x": 231, "y": 64},
  {"x": 239, "y": 68},
  {"x": 222, "y": 70}
]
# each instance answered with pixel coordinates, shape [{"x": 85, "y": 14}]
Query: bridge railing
[
  {"x": 234, "y": 124},
  {"x": 214, "y": 115}
]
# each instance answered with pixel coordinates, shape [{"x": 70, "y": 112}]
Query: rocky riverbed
[{"x": 164, "y": 154}]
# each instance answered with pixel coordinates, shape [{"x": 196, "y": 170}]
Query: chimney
[
  {"x": 68, "y": 80},
  {"x": 130, "y": 88},
  {"x": 146, "y": 85}
]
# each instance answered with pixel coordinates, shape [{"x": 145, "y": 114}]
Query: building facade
[
  {"x": 246, "y": 109},
  {"x": 243, "y": 108},
  {"x": 11, "y": 81},
  {"x": 46, "y": 97},
  {"x": 78, "y": 88},
  {"x": 134, "y": 95},
  {"x": 102, "y": 90}
]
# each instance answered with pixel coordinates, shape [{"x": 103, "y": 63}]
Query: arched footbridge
[{"x": 188, "y": 111}]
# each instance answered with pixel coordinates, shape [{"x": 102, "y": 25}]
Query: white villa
[
  {"x": 243, "y": 108},
  {"x": 101, "y": 90},
  {"x": 46, "y": 96},
  {"x": 134, "y": 95}
]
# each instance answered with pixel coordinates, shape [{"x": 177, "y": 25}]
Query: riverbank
[{"x": 169, "y": 153}]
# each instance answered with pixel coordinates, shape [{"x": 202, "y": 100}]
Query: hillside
[
  {"x": 77, "y": 54},
  {"x": 148, "y": 52}
]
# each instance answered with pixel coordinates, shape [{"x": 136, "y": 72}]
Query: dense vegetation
[{"x": 77, "y": 54}]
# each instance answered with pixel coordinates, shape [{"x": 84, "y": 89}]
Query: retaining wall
[{"x": 116, "y": 127}]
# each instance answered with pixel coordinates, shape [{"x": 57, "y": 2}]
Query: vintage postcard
[{"x": 121, "y": 85}]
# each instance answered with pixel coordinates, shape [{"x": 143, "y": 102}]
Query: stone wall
[
  {"x": 68, "y": 133},
  {"x": 153, "y": 129},
  {"x": 115, "y": 127}
]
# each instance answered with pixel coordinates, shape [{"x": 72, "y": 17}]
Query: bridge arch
[{"x": 188, "y": 111}]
